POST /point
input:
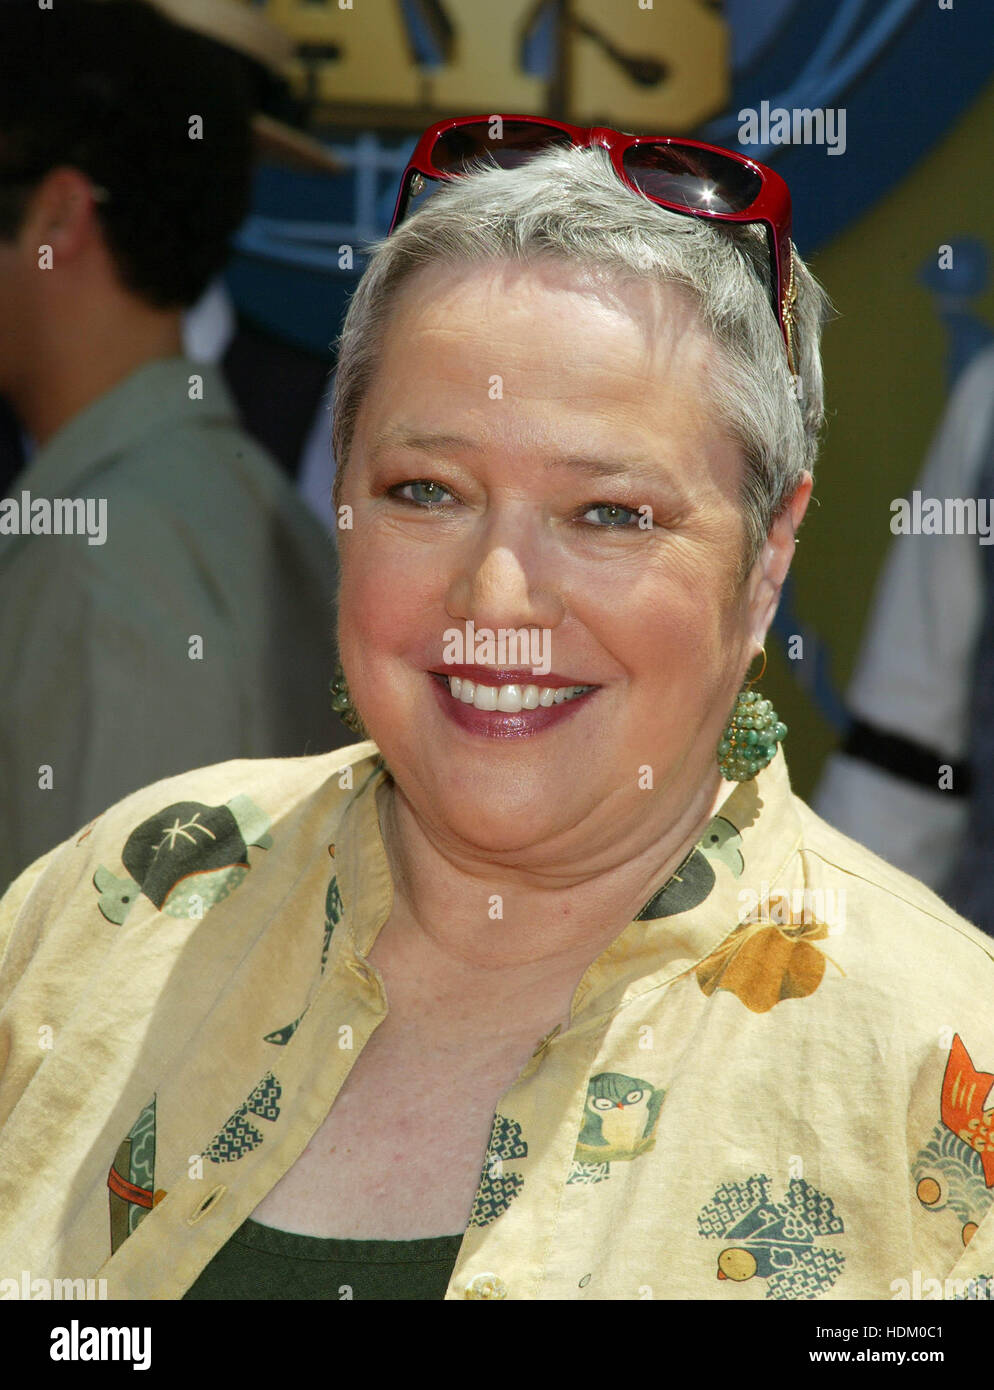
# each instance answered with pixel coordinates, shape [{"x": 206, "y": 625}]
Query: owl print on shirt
[{"x": 619, "y": 1123}]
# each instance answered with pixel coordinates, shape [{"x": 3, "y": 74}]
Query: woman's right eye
[{"x": 431, "y": 493}]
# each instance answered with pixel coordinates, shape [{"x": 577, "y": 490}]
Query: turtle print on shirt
[
  {"x": 693, "y": 880},
  {"x": 185, "y": 859}
]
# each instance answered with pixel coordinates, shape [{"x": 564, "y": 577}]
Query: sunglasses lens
[
  {"x": 699, "y": 180},
  {"x": 509, "y": 143}
]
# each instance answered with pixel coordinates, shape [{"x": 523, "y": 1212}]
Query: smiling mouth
[{"x": 510, "y": 699}]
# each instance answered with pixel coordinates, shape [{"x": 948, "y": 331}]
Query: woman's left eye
[{"x": 615, "y": 518}]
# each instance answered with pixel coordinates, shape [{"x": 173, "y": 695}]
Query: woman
[{"x": 554, "y": 990}]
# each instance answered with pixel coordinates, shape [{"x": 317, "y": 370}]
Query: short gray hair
[{"x": 567, "y": 203}]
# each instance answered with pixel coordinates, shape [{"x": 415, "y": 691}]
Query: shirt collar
[
  {"x": 738, "y": 861},
  {"x": 361, "y": 866},
  {"x": 150, "y": 401}
]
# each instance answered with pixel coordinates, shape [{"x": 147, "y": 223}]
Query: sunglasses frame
[{"x": 771, "y": 207}]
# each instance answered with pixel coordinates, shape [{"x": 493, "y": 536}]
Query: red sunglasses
[{"x": 681, "y": 175}]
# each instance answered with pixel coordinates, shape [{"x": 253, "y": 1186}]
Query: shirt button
[{"x": 486, "y": 1286}]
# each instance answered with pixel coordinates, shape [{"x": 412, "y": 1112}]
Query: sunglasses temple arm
[{"x": 783, "y": 292}]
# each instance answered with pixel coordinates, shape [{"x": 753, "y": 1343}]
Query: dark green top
[{"x": 260, "y": 1262}]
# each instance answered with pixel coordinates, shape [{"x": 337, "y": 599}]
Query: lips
[
  {"x": 518, "y": 675},
  {"x": 512, "y": 709}
]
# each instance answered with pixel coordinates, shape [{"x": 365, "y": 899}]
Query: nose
[{"x": 505, "y": 584}]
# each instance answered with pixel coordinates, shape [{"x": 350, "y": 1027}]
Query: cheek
[
  {"x": 677, "y": 644},
  {"x": 384, "y": 591},
  {"x": 673, "y": 620}
]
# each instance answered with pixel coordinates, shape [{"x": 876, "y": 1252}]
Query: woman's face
[{"x": 518, "y": 421}]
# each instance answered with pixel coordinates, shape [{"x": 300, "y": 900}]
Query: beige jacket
[{"x": 775, "y": 1083}]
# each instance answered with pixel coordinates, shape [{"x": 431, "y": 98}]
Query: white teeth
[
  {"x": 509, "y": 699},
  {"x": 512, "y": 699}
]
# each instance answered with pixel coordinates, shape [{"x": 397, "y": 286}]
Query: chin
[
  {"x": 502, "y": 832},
  {"x": 482, "y": 808}
]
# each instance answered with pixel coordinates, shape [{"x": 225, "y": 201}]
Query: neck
[
  {"x": 76, "y": 363},
  {"x": 448, "y": 898}
]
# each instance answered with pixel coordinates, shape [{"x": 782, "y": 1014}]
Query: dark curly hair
[{"x": 109, "y": 87}]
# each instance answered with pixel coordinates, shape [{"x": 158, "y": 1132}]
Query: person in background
[
  {"x": 193, "y": 620},
  {"x": 280, "y": 385},
  {"x": 908, "y": 779},
  {"x": 969, "y": 885}
]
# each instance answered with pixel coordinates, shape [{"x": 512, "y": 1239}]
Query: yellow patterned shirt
[{"x": 775, "y": 1083}]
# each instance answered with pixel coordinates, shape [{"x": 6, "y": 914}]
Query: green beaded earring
[
  {"x": 749, "y": 742},
  {"x": 341, "y": 703}
]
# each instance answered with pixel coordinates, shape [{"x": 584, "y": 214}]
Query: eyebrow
[{"x": 399, "y": 437}]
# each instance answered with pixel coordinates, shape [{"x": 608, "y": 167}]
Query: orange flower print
[{"x": 763, "y": 963}]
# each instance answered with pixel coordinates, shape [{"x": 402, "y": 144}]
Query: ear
[
  {"x": 62, "y": 213},
  {"x": 772, "y": 566}
]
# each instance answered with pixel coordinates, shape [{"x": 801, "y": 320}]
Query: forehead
[{"x": 524, "y": 356}]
